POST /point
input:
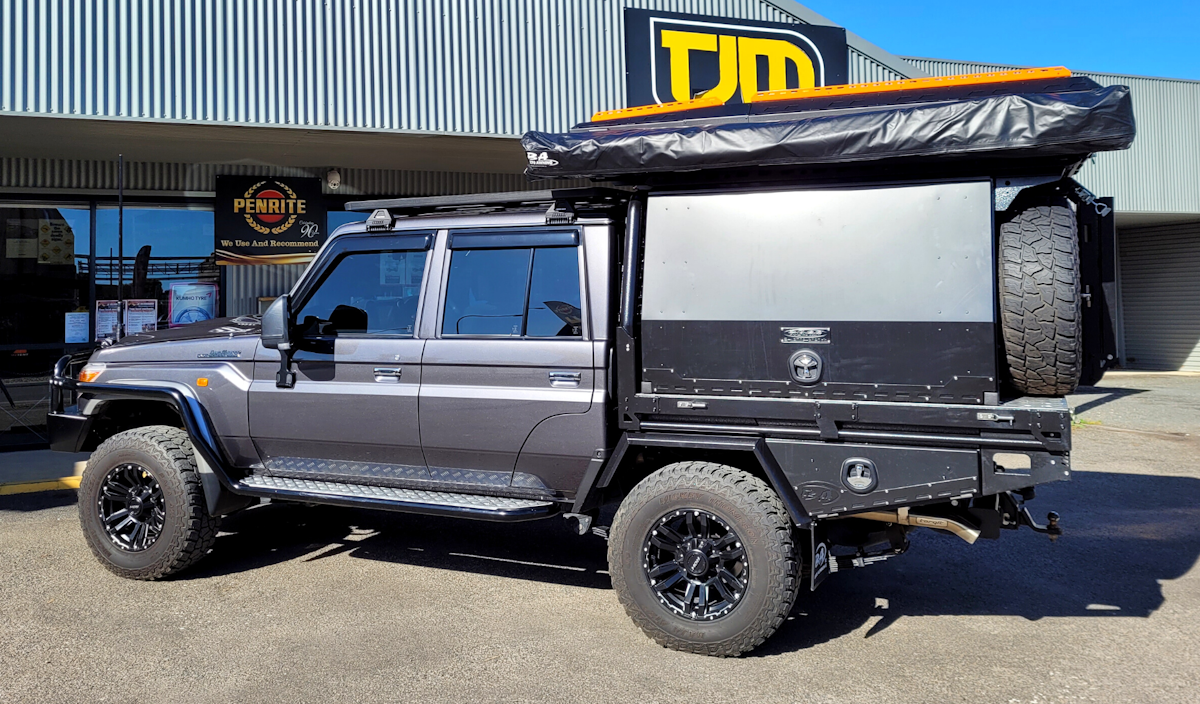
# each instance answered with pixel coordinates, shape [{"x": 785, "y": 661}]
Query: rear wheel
[
  {"x": 141, "y": 504},
  {"x": 702, "y": 559},
  {"x": 1039, "y": 299}
]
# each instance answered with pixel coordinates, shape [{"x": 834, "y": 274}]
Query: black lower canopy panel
[{"x": 885, "y": 361}]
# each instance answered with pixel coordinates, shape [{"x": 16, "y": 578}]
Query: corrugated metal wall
[
  {"x": 63, "y": 174},
  {"x": 1160, "y": 292},
  {"x": 445, "y": 65},
  {"x": 245, "y": 284},
  {"x": 864, "y": 69},
  {"x": 1161, "y": 171}
]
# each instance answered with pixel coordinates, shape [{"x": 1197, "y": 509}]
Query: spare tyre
[{"x": 1039, "y": 299}]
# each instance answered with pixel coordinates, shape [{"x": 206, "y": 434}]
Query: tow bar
[{"x": 1051, "y": 528}]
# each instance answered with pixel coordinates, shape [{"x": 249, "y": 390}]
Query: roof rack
[{"x": 567, "y": 197}]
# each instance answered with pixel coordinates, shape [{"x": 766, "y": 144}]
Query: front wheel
[
  {"x": 141, "y": 504},
  {"x": 702, "y": 559}
]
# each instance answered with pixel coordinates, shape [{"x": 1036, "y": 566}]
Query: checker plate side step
[{"x": 437, "y": 503}]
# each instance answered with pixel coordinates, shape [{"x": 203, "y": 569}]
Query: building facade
[{"x": 390, "y": 98}]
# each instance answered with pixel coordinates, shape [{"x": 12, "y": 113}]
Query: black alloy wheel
[
  {"x": 141, "y": 504},
  {"x": 702, "y": 558},
  {"x": 696, "y": 564},
  {"x": 132, "y": 508}
]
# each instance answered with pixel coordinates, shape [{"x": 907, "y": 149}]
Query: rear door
[
  {"x": 353, "y": 411},
  {"x": 1097, "y": 283},
  {"x": 511, "y": 351}
]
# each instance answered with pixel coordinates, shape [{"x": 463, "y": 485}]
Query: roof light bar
[{"x": 968, "y": 79}]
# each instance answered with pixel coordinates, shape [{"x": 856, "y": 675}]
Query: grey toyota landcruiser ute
[{"x": 772, "y": 378}]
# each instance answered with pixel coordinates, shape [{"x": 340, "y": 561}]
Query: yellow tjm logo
[{"x": 738, "y": 59}]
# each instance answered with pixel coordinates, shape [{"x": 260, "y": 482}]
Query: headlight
[{"x": 90, "y": 372}]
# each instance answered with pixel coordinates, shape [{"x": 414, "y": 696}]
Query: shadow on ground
[
  {"x": 1110, "y": 394},
  {"x": 38, "y": 501},
  {"x": 1124, "y": 534}
]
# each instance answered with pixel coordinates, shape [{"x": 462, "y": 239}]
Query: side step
[{"x": 434, "y": 503}]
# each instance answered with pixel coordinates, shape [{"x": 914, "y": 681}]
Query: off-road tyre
[
  {"x": 188, "y": 531},
  {"x": 753, "y": 510},
  {"x": 1040, "y": 311}
]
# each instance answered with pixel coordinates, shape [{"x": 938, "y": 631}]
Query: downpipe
[{"x": 901, "y": 516}]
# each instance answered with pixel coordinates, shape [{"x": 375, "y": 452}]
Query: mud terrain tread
[
  {"x": 181, "y": 490},
  {"x": 757, "y": 501},
  {"x": 1039, "y": 300}
]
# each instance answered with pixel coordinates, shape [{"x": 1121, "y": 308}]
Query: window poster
[
  {"x": 76, "y": 327},
  {"x": 55, "y": 242},
  {"x": 192, "y": 303},
  {"x": 106, "y": 319},
  {"x": 141, "y": 315}
]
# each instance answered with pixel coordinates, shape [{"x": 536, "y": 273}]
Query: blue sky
[{"x": 1148, "y": 38}]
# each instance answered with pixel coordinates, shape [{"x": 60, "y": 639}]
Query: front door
[
  {"x": 353, "y": 411},
  {"x": 511, "y": 352}
]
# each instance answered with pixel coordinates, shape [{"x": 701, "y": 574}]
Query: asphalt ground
[{"x": 325, "y": 604}]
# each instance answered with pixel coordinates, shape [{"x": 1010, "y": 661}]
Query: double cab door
[
  {"x": 353, "y": 410},
  {"x": 435, "y": 358}
]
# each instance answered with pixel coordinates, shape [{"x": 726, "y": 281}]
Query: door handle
[
  {"x": 565, "y": 379},
  {"x": 387, "y": 373}
]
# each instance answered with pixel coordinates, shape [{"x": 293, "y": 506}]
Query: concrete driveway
[{"x": 329, "y": 604}]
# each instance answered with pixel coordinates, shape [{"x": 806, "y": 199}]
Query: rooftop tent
[{"x": 1041, "y": 113}]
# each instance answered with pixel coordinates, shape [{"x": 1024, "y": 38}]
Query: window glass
[
  {"x": 43, "y": 276},
  {"x": 486, "y": 292},
  {"x": 369, "y": 292},
  {"x": 44, "y": 298},
  {"x": 165, "y": 248},
  {"x": 337, "y": 218},
  {"x": 554, "y": 309}
]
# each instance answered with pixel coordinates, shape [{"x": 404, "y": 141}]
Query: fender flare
[
  {"x": 219, "y": 492},
  {"x": 599, "y": 477}
]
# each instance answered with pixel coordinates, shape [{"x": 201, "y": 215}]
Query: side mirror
[
  {"x": 276, "y": 336},
  {"x": 275, "y": 324}
]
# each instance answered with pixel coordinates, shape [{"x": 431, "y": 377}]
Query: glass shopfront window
[
  {"x": 164, "y": 246},
  {"x": 51, "y": 283},
  {"x": 47, "y": 285},
  {"x": 41, "y": 282},
  {"x": 337, "y": 218}
]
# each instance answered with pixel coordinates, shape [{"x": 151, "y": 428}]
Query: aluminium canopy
[{"x": 1037, "y": 118}]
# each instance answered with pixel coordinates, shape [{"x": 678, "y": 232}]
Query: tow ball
[
  {"x": 1014, "y": 514},
  {"x": 1051, "y": 528}
]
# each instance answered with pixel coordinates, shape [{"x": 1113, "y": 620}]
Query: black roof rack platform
[{"x": 578, "y": 198}]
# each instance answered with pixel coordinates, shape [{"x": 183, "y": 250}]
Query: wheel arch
[
  {"x": 120, "y": 408},
  {"x": 637, "y": 455}
]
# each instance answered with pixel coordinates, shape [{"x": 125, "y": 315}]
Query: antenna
[{"x": 121, "y": 245}]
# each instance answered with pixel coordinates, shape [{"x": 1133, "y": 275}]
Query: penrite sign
[
  {"x": 671, "y": 56},
  {"x": 261, "y": 220}
]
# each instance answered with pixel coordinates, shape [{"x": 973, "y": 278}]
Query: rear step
[{"x": 436, "y": 503}]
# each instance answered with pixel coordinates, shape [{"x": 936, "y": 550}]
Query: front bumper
[{"x": 68, "y": 429}]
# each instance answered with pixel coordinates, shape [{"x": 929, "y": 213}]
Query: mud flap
[{"x": 819, "y": 556}]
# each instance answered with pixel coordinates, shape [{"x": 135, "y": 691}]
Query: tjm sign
[{"x": 671, "y": 56}]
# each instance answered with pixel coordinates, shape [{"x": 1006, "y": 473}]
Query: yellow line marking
[{"x": 29, "y": 487}]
